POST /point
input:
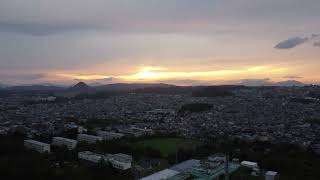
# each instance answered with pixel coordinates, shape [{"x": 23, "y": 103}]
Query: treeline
[
  {"x": 196, "y": 91},
  {"x": 214, "y": 91},
  {"x": 195, "y": 107}
]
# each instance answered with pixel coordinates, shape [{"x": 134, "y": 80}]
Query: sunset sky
[{"x": 184, "y": 42}]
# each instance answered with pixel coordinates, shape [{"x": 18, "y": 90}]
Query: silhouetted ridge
[{"x": 81, "y": 86}]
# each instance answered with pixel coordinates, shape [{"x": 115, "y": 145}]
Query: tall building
[
  {"x": 37, "y": 145},
  {"x": 88, "y": 138},
  {"x": 60, "y": 141}
]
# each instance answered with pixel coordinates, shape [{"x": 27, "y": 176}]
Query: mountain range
[
  {"x": 82, "y": 87},
  {"x": 267, "y": 82}
]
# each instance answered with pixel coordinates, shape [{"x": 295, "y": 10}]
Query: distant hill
[
  {"x": 196, "y": 91},
  {"x": 290, "y": 83},
  {"x": 83, "y": 90},
  {"x": 267, "y": 82},
  {"x": 40, "y": 88},
  {"x": 129, "y": 87},
  {"x": 256, "y": 82},
  {"x": 80, "y": 87}
]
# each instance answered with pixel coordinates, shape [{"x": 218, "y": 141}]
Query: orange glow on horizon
[{"x": 154, "y": 73}]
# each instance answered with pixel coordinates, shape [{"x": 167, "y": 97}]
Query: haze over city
[{"x": 181, "y": 42}]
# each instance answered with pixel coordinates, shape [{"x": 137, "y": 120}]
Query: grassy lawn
[{"x": 168, "y": 146}]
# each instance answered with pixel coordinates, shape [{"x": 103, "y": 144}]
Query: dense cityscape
[
  {"x": 274, "y": 114},
  {"x": 268, "y": 115}
]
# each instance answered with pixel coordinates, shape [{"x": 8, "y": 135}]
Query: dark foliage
[
  {"x": 213, "y": 91},
  {"x": 195, "y": 107}
]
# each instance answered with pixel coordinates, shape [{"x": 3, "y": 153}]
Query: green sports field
[{"x": 168, "y": 146}]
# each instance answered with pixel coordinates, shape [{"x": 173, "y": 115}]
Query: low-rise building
[
  {"x": 164, "y": 174},
  {"x": 106, "y": 135},
  {"x": 88, "y": 138},
  {"x": 144, "y": 131},
  {"x": 196, "y": 169},
  {"x": 37, "y": 145},
  {"x": 118, "y": 161},
  {"x": 121, "y": 161},
  {"x": 90, "y": 156},
  {"x": 249, "y": 164},
  {"x": 60, "y": 141},
  {"x": 218, "y": 157},
  {"x": 271, "y": 175}
]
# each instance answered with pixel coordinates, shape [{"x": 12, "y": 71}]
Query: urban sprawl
[{"x": 270, "y": 114}]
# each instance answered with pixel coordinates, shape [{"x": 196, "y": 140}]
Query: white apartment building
[
  {"x": 88, "y": 138},
  {"x": 250, "y": 164},
  {"x": 106, "y": 135},
  {"x": 60, "y": 141},
  {"x": 37, "y": 145},
  {"x": 90, "y": 156},
  {"x": 121, "y": 161},
  {"x": 271, "y": 175},
  {"x": 118, "y": 161}
]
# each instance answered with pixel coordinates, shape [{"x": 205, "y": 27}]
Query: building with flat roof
[
  {"x": 60, "y": 141},
  {"x": 118, "y": 161},
  {"x": 196, "y": 169},
  {"x": 122, "y": 161},
  {"x": 250, "y": 164},
  {"x": 186, "y": 166},
  {"x": 90, "y": 156},
  {"x": 271, "y": 175},
  {"x": 106, "y": 135},
  {"x": 218, "y": 157},
  {"x": 91, "y": 139},
  {"x": 37, "y": 145},
  {"x": 161, "y": 175}
]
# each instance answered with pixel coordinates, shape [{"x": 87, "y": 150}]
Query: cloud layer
[
  {"x": 295, "y": 41},
  {"x": 291, "y": 43},
  {"x": 114, "y": 37}
]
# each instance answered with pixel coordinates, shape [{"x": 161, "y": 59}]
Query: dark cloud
[
  {"x": 107, "y": 79},
  {"x": 295, "y": 41},
  {"x": 96, "y": 82},
  {"x": 316, "y": 44},
  {"x": 291, "y": 77},
  {"x": 291, "y": 43},
  {"x": 32, "y": 76},
  {"x": 23, "y": 77}
]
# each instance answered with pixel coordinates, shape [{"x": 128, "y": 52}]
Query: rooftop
[
  {"x": 164, "y": 174},
  {"x": 185, "y": 166},
  {"x": 36, "y": 142},
  {"x": 271, "y": 173},
  {"x": 65, "y": 139}
]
